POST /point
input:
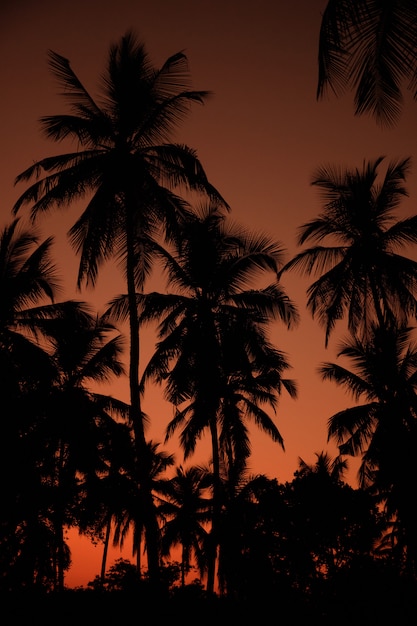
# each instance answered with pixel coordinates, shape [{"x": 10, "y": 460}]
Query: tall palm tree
[
  {"x": 213, "y": 337},
  {"x": 361, "y": 274},
  {"x": 382, "y": 429},
  {"x": 370, "y": 46},
  {"x": 126, "y": 164}
]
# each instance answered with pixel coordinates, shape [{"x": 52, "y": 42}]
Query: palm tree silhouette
[
  {"x": 49, "y": 352},
  {"x": 361, "y": 275},
  {"x": 126, "y": 494},
  {"x": 239, "y": 522},
  {"x": 29, "y": 285},
  {"x": 213, "y": 355},
  {"x": 382, "y": 429},
  {"x": 371, "y": 47},
  {"x": 250, "y": 388},
  {"x": 77, "y": 426},
  {"x": 186, "y": 509},
  {"x": 325, "y": 466},
  {"x": 102, "y": 496},
  {"x": 124, "y": 161}
]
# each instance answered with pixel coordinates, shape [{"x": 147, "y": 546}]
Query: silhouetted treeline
[{"x": 76, "y": 458}]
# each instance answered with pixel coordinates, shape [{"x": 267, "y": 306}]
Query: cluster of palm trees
[
  {"x": 364, "y": 282},
  {"x": 214, "y": 354},
  {"x": 82, "y": 459}
]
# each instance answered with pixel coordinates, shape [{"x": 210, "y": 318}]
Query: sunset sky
[{"x": 260, "y": 138}]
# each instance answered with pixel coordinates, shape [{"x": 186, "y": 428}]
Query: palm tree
[
  {"x": 325, "y": 467},
  {"x": 103, "y": 495},
  {"x": 382, "y": 429},
  {"x": 239, "y": 520},
  {"x": 29, "y": 285},
  {"x": 361, "y": 274},
  {"x": 213, "y": 351},
  {"x": 47, "y": 353},
  {"x": 130, "y": 515},
  {"x": 186, "y": 510},
  {"x": 249, "y": 388},
  {"x": 369, "y": 45},
  {"x": 125, "y": 162},
  {"x": 77, "y": 426}
]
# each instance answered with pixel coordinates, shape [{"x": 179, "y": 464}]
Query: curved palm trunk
[
  {"x": 183, "y": 566},
  {"x": 138, "y": 548},
  {"x": 213, "y": 540},
  {"x": 141, "y": 451},
  {"x": 105, "y": 552},
  {"x": 59, "y": 524},
  {"x": 60, "y": 551}
]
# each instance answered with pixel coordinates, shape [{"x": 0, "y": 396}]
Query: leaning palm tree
[
  {"x": 126, "y": 164},
  {"x": 382, "y": 429},
  {"x": 361, "y": 274},
  {"x": 213, "y": 350},
  {"x": 370, "y": 46}
]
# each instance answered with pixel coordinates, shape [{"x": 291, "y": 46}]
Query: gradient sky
[{"x": 260, "y": 138}]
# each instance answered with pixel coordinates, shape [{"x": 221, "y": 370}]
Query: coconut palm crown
[
  {"x": 369, "y": 46},
  {"x": 361, "y": 275}
]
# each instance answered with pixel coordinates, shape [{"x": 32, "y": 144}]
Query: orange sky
[{"x": 260, "y": 138}]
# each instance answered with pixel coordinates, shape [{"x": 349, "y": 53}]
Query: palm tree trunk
[
  {"x": 105, "y": 552},
  {"x": 142, "y": 460},
  {"x": 59, "y": 539},
  {"x": 59, "y": 522},
  {"x": 183, "y": 568},
  {"x": 213, "y": 536}
]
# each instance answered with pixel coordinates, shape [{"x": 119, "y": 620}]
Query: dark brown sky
[{"x": 260, "y": 138}]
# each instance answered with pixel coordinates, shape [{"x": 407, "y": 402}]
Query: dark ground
[{"x": 74, "y": 608}]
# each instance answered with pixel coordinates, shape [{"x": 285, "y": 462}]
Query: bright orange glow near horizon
[{"x": 260, "y": 138}]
